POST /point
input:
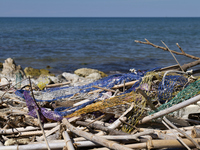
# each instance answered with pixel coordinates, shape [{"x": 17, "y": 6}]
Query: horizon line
[{"x": 96, "y": 17}]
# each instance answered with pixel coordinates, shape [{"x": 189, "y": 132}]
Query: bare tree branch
[{"x": 165, "y": 49}]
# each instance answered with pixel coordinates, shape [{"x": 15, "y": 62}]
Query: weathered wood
[
  {"x": 182, "y": 132},
  {"x": 100, "y": 127},
  {"x": 68, "y": 141},
  {"x": 94, "y": 138},
  {"x": 170, "y": 109},
  {"x": 166, "y": 49}
]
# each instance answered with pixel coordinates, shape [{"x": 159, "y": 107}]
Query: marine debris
[{"x": 149, "y": 109}]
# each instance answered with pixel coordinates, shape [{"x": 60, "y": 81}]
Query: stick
[
  {"x": 185, "y": 134},
  {"x": 28, "y": 128},
  {"x": 39, "y": 121},
  {"x": 177, "y": 137},
  {"x": 109, "y": 90},
  {"x": 100, "y": 127},
  {"x": 49, "y": 132},
  {"x": 118, "y": 122},
  {"x": 173, "y": 56},
  {"x": 38, "y": 115},
  {"x": 170, "y": 109},
  {"x": 68, "y": 141},
  {"x": 165, "y": 49},
  {"x": 94, "y": 138}
]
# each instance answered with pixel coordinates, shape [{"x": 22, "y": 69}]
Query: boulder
[
  {"x": 10, "y": 69},
  {"x": 94, "y": 76},
  {"x": 58, "y": 79},
  {"x": 84, "y": 72},
  {"x": 70, "y": 77},
  {"x": 32, "y": 72}
]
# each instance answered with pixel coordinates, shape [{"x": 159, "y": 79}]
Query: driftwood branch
[
  {"x": 106, "y": 129},
  {"x": 94, "y": 138},
  {"x": 170, "y": 109},
  {"x": 185, "y": 134},
  {"x": 166, "y": 49}
]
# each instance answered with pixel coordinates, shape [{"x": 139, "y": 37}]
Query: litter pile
[{"x": 153, "y": 109}]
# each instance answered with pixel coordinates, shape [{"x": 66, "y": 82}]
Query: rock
[
  {"x": 58, "y": 79},
  {"x": 10, "y": 68},
  {"x": 83, "y": 72},
  {"x": 22, "y": 141},
  {"x": 71, "y": 77},
  {"x": 94, "y": 76},
  {"x": 32, "y": 72},
  {"x": 4, "y": 81}
]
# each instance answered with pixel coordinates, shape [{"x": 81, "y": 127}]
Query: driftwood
[
  {"x": 177, "y": 136},
  {"x": 166, "y": 49},
  {"x": 170, "y": 109},
  {"x": 68, "y": 141},
  {"x": 185, "y": 66},
  {"x": 185, "y": 134},
  {"x": 100, "y": 127},
  {"x": 94, "y": 138}
]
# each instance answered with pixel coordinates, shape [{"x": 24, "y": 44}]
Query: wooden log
[
  {"x": 170, "y": 109},
  {"x": 94, "y": 138},
  {"x": 68, "y": 141},
  {"x": 100, "y": 127}
]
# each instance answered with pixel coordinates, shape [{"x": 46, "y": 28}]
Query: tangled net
[
  {"x": 114, "y": 101},
  {"x": 190, "y": 91}
]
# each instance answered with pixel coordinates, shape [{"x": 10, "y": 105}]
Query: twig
[
  {"x": 173, "y": 56},
  {"x": 38, "y": 115},
  {"x": 185, "y": 134},
  {"x": 165, "y": 49},
  {"x": 177, "y": 137},
  {"x": 39, "y": 121},
  {"x": 180, "y": 48},
  {"x": 96, "y": 119},
  {"x": 122, "y": 117},
  {"x": 109, "y": 90},
  {"x": 50, "y": 132}
]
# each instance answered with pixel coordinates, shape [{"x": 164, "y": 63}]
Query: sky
[{"x": 99, "y": 8}]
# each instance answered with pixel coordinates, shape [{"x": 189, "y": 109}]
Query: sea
[{"x": 106, "y": 44}]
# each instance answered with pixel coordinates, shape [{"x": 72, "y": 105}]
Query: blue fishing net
[
  {"x": 169, "y": 87},
  {"x": 59, "y": 93}
]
